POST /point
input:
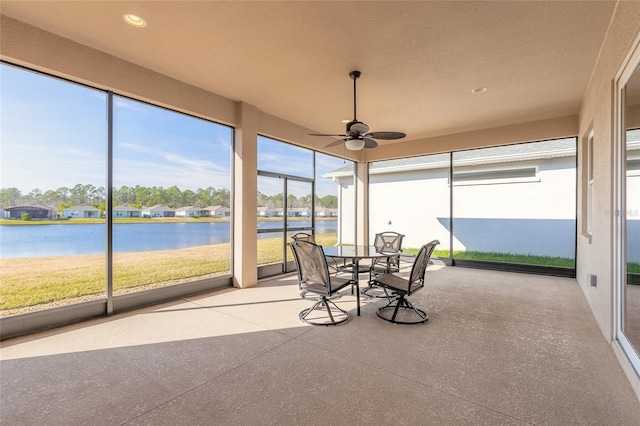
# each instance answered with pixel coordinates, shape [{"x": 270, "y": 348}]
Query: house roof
[
  {"x": 126, "y": 207},
  {"x": 30, "y": 206},
  {"x": 83, "y": 207},
  {"x": 508, "y": 153},
  {"x": 158, "y": 208}
]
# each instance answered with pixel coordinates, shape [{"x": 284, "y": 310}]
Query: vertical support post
[
  {"x": 245, "y": 185},
  {"x": 108, "y": 206},
  {"x": 451, "y": 207},
  {"x": 362, "y": 203}
]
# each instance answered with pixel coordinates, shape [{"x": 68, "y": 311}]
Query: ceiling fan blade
[
  {"x": 386, "y": 135},
  {"x": 334, "y": 143},
  {"x": 369, "y": 143},
  {"x": 324, "y": 134}
]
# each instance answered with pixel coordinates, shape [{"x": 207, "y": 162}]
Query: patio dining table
[{"x": 354, "y": 254}]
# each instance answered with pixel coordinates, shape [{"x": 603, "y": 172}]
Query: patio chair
[
  {"x": 314, "y": 277},
  {"x": 334, "y": 267},
  {"x": 398, "y": 289},
  {"x": 384, "y": 242},
  {"x": 303, "y": 236}
]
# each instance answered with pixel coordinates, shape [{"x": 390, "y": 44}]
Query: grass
[
  {"x": 35, "y": 283},
  {"x": 526, "y": 259},
  {"x": 28, "y": 284}
]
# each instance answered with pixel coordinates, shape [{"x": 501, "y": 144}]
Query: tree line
[{"x": 139, "y": 196}]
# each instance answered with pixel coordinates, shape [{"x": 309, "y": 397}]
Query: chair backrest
[
  {"x": 416, "y": 278},
  {"x": 311, "y": 264},
  {"x": 388, "y": 241},
  {"x": 303, "y": 236}
]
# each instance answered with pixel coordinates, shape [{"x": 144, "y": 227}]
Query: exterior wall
[
  {"x": 81, "y": 213},
  {"x": 123, "y": 212},
  {"x": 346, "y": 211},
  {"x": 191, "y": 212},
  {"x": 424, "y": 212},
  {"x": 595, "y": 254},
  {"x": 425, "y": 195}
]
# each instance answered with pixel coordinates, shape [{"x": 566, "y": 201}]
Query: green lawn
[
  {"x": 525, "y": 259},
  {"x": 51, "y": 281}
]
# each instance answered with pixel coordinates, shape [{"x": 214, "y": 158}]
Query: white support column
[
  {"x": 245, "y": 232},
  {"x": 362, "y": 203}
]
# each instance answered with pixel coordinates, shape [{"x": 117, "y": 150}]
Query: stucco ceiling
[{"x": 419, "y": 60}]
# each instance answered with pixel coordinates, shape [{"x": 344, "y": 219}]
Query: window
[
  {"x": 492, "y": 176},
  {"x": 590, "y": 183},
  {"x": 300, "y": 190},
  {"x": 171, "y": 195},
  {"x": 525, "y": 220},
  {"x": 171, "y": 172},
  {"x": 586, "y": 179},
  {"x": 511, "y": 204},
  {"x": 53, "y": 173}
]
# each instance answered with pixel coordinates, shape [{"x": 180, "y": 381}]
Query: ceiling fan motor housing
[{"x": 357, "y": 128}]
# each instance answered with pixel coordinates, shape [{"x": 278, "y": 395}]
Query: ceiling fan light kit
[
  {"x": 354, "y": 144},
  {"x": 357, "y": 135}
]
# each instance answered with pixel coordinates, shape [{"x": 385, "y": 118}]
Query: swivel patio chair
[
  {"x": 333, "y": 266},
  {"x": 314, "y": 277},
  {"x": 398, "y": 289},
  {"x": 332, "y": 263},
  {"x": 384, "y": 242},
  {"x": 303, "y": 236}
]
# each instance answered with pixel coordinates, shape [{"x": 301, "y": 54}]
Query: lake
[{"x": 70, "y": 240}]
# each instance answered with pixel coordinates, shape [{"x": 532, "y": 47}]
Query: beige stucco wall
[{"x": 596, "y": 256}]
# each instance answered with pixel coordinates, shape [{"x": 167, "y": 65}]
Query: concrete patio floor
[{"x": 499, "y": 348}]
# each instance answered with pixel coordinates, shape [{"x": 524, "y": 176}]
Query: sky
[{"x": 53, "y": 134}]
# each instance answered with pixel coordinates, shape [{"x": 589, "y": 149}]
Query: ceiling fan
[{"x": 357, "y": 135}]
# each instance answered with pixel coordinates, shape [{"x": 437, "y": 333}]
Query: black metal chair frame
[
  {"x": 303, "y": 236},
  {"x": 384, "y": 241},
  {"x": 397, "y": 289},
  {"x": 314, "y": 277},
  {"x": 333, "y": 268}
]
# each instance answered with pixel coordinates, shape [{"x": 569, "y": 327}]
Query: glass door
[
  {"x": 629, "y": 229},
  {"x": 285, "y": 207}
]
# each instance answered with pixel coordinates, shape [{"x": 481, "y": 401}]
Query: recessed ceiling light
[
  {"x": 479, "y": 90},
  {"x": 134, "y": 20},
  {"x": 348, "y": 120}
]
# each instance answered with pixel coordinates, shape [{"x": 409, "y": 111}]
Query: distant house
[
  {"x": 191, "y": 211},
  {"x": 326, "y": 212},
  {"x": 125, "y": 210},
  {"x": 35, "y": 211},
  {"x": 269, "y": 212},
  {"x": 81, "y": 211},
  {"x": 158, "y": 211},
  {"x": 299, "y": 212},
  {"x": 218, "y": 211}
]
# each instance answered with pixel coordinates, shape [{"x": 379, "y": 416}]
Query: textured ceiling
[{"x": 419, "y": 60}]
